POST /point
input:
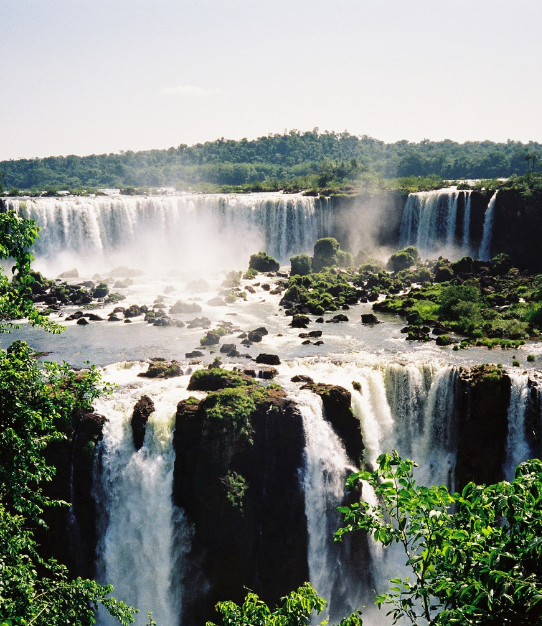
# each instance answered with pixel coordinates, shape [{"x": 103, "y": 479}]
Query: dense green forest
[{"x": 295, "y": 160}]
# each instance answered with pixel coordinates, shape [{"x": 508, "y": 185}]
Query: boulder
[
  {"x": 142, "y": 409},
  {"x": 268, "y": 373},
  {"x": 162, "y": 369},
  {"x": 337, "y": 318},
  {"x": 82, "y": 321},
  {"x": 369, "y": 318},
  {"x": 69, "y": 274},
  {"x": 216, "y": 302},
  {"x": 300, "y": 321},
  {"x": 254, "y": 336},
  {"x": 268, "y": 359},
  {"x": 185, "y": 307},
  {"x": 134, "y": 311},
  {"x": 301, "y": 378}
]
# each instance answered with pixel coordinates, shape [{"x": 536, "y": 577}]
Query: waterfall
[
  {"x": 517, "y": 446},
  {"x": 485, "y": 246},
  {"x": 139, "y": 526},
  {"x": 325, "y": 473},
  {"x": 466, "y": 223},
  {"x": 176, "y": 229},
  {"x": 430, "y": 220}
]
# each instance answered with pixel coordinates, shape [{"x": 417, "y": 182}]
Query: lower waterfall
[
  {"x": 517, "y": 447},
  {"x": 325, "y": 473},
  {"x": 139, "y": 526}
]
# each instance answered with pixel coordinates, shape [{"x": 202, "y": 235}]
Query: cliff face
[
  {"x": 72, "y": 536},
  {"x": 243, "y": 498},
  {"x": 483, "y": 425},
  {"x": 517, "y": 229}
]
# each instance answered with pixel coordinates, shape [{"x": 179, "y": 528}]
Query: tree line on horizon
[{"x": 296, "y": 159}]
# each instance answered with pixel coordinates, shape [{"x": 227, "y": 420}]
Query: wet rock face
[
  {"x": 483, "y": 425},
  {"x": 337, "y": 405},
  {"x": 143, "y": 408},
  {"x": 243, "y": 498}
]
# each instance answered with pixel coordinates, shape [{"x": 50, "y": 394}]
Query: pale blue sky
[{"x": 94, "y": 76}]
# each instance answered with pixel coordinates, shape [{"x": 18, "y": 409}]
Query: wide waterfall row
[
  {"x": 177, "y": 228},
  {"x": 437, "y": 221},
  {"x": 414, "y": 408}
]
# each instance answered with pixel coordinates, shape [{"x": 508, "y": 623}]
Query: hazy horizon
[{"x": 92, "y": 77}]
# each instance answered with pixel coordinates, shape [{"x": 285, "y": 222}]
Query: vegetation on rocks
[{"x": 262, "y": 262}]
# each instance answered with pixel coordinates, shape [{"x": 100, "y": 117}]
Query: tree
[
  {"x": 476, "y": 557},
  {"x": 38, "y": 404},
  {"x": 17, "y": 235}
]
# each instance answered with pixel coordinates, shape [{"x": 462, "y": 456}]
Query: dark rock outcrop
[
  {"x": 142, "y": 409},
  {"x": 268, "y": 359},
  {"x": 483, "y": 425},
  {"x": 338, "y": 411},
  {"x": 244, "y": 500}
]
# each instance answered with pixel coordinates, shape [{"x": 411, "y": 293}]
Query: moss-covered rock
[{"x": 262, "y": 262}]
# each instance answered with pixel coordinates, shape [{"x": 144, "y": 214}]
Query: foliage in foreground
[
  {"x": 37, "y": 406},
  {"x": 476, "y": 557},
  {"x": 295, "y": 610}
]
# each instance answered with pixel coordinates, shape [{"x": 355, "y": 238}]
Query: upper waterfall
[
  {"x": 195, "y": 229},
  {"x": 437, "y": 221}
]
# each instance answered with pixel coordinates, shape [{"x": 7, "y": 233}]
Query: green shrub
[
  {"x": 262, "y": 262},
  {"x": 301, "y": 265}
]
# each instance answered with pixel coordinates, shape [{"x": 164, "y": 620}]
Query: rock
[
  {"x": 319, "y": 320},
  {"x": 225, "y": 348},
  {"x": 161, "y": 369},
  {"x": 185, "y": 307},
  {"x": 242, "y": 336},
  {"x": 301, "y": 378},
  {"x": 268, "y": 359},
  {"x": 369, "y": 318},
  {"x": 250, "y": 289},
  {"x": 443, "y": 340},
  {"x": 100, "y": 291},
  {"x": 268, "y": 373},
  {"x": 134, "y": 311},
  {"x": 123, "y": 284},
  {"x": 300, "y": 321},
  {"x": 194, "y": 354},
  {"x": 127, "y": 321},
  {"x": 319, "y": 343},
  {"x": 125, "y": 272},
  {"x": 246, "y": 342},
  {"x": 199, "y": 322},
  {"x": 337, "y": 318},
  {"x": 306, "y": 342},
  {"x": 113, "y": 318},
  {"x": 93, "y": 317},
  {"x": 198, "y": 286},
  {"x": 266, "y": 287},
  {"x": 211, "y": 338},
  {"x": 142, "y": 409},
  {"x": 82, "y": 321},
  {"x": 251, "y": 373},
  {"x": 216, "y": 302},
  {"x": 314, "y": 333},
  {"x": 119, "y": 309},
  {"x": 74, "y": 316},
  {"x": 338, "y": 411},
  {"x": 254, "y": 337},
  {"x": 261, "y": 331},
  {"x": 69, "y": 274},
  {"x": 165, "y": 321}
]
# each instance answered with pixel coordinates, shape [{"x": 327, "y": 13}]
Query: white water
[
  {"x": 143, "y": 536},
  {"x": 517, "y": 447},
  {"x": 210, "y": 231},
  {"x": 325, "y": 473},
  {"x": 429, "y": 222},
  {"x": 485, "y": 246}
]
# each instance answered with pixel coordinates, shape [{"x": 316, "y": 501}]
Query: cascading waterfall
[
  {"x": 517, "y": 446},
  {"x": 430, "y": 222},
  {"x": 485, "y": 246},
  {"x": 139, "y": 549},
  {"x": 177, "y": 228},
  {"x": 326, "y": 470}
]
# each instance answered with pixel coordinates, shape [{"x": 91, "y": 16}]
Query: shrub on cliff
[
  {"x": 403, "y": 259},
  {"x": 301, "y": 265},
  {"x": 262, "y": 262}
]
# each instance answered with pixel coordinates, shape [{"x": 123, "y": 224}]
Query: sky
[{"x": 99, "y": 76}]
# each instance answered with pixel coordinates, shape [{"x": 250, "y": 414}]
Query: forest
[{"x": 293, "y": 160}]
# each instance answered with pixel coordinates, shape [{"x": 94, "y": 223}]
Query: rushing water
[
  {"x": 175, "y": 230},
  {"x": 138, "y": 521},
  {"x": 430, "y": 222},
  {"x": 405, "y": 395},
  {"x": 485, "y": 246}
]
